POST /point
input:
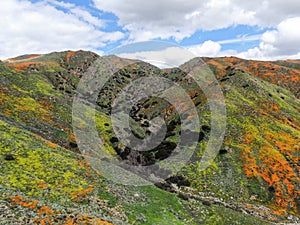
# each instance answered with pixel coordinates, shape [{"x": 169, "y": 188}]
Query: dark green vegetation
[{"x": 45, "y": 179}]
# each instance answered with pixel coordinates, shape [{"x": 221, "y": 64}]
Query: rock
[
  {"x": 207, "y": 203},
  {"x": 183, "y": 196},
  {"x": 165, "y": 186},
  {"x": 114, "y": 140},
  {"x": 179, "y": 181},
  {"x": 145, "y": 124},
  {"x": 73, "y": 145},
  {"x": 9, "y": 157},
  {"x": 206, "y": 128},
  {"x": 223, "y": 151}
]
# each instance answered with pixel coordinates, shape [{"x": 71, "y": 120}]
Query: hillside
[{"x": 45, "y": 178}]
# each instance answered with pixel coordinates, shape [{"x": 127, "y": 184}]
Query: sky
[{"x": 256, "y": 29}]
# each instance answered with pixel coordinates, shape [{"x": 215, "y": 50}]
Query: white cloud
[
  {"x": 87, "y": 17},
  {"x": 169, "y": 57},
  {"x": 173, "y": 18},
  {"x": 208, "y": 48},
  {"x": 281, "y": 43},
  {"x": 60, "y": 4},
  {"x": 243, "y": 38},
  {"x": 146, "y": 20},
  {"x": 269, "y": 13},
  {"x": 213, "y": 49},
  {"x": 40, "y": 28}
]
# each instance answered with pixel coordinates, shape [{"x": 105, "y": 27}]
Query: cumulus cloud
[
  {"x": 283, "y": 42},
  {"x": 179, "y": 18},
  {"x": 40, "y": 27},
  {"x": 269, "y": 13},
  {"x": 214, "y": 49},
  {"x": 166, "y": 58},
  {"x": 208, "y": 48},
  {"x": 175, "y": 56}
]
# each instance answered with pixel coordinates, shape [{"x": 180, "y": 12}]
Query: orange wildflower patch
[
  {"x": 47, "y": 214},
  {"x": 85, "y": 220},
  {"x": 69, "y": 55},
  {"x": 72, "y": 137},
  {"x": 271, "y": 165},
  {"x": 26, "y": 203},
  {"x": 19, "y": 59},
  {"x": 51, "y": 144},
  {"x": 18, "y": 67},
  {"x": 83, "y": 193},
  {"x": 273, "y": 73},
  {"x": 43, "y": 186},
  {"x": 250, "y": 165},
  {"x": 45, "y": 210},
  {"x": 84, "y": 164},
  {"x": 249, "y": 138},
  {"x": 287, "y": 145},
  {"x": 23, "y": 66}
]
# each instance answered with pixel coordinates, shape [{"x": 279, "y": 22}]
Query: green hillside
[{"x": 46, "y": 180}]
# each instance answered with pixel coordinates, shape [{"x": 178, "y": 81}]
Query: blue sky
[{"x": 258, "y": 29}]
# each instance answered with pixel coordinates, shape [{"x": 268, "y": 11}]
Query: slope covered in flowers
[{"x": 44, "y": 177}]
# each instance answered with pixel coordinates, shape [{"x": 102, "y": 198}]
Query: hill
[{"x": 46, "y": 179}]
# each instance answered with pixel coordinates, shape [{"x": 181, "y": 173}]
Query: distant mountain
[{"x": 45, "y": 179}]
